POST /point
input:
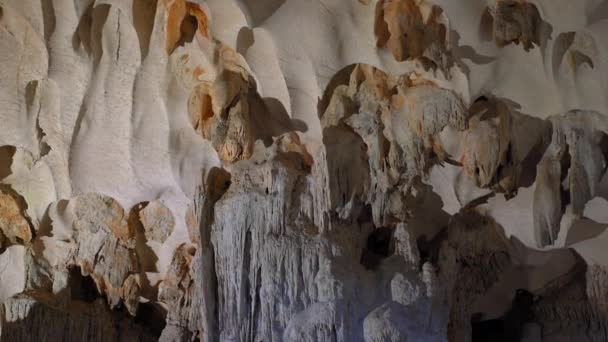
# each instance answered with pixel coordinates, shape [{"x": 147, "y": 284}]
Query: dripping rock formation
[{"x": 303, "y": 170}]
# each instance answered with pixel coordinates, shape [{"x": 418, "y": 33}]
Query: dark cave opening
[
  {"x": 188, "y": 29},
  {"x": 151, "y": 316},
  {"x": 82, "y": 287},
  {"x": 429, "y": 249},
  {"x": 379, "y": 246},
  {"x": 509, "y": 327}
]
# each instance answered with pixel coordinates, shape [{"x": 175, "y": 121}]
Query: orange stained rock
[
  {"x": 201, "y": 18},
  {"x": 516, "y": 21},
  {"x": 413, "y": 79},
  {"x": 397, "y": 101},
  {"x": 118, "y": 222},
  {"x": 220, "y": 113},
  {"x": 198, "y": 72},
  {"x": 100, "y": 211},
  {"x": 183, "y": 21},
  {"x": 13, "y": 224},
  {"x": 290, "y": 143},
  {"x": 192, "y": 223},
  {"x": 487, "y": 141},
  {"x": 402, "y": 27},
  {"x": 200, "y": 106},
  {"x": 378, "y": 82}
]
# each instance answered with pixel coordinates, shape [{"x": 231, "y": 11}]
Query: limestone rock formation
[
  {"x": 516, "y": 21},
  {"x": 290, "y": 170},
  {"x": 413, "y": 29}
]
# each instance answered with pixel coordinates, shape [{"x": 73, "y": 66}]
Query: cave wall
[{"x": 290, "y": 170}]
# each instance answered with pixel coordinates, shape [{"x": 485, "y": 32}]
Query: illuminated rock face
[{"x": 289, "y": 170}]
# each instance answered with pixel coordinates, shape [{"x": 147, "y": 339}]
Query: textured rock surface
[{"x": 290, "y": 170}]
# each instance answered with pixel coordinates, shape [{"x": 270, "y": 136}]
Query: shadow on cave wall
[
  {"x": 567, "y": 308},
  {"x": 259, "y": 10},
  {"x": 6, "y": 160},
  {"x": 270, "y": 118},
  {"x": 77, "y": 313},
  {"x": 78, "y": 322},
  {"x": 379, "y": 246},
  {"x": 509, "y": 327}
]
